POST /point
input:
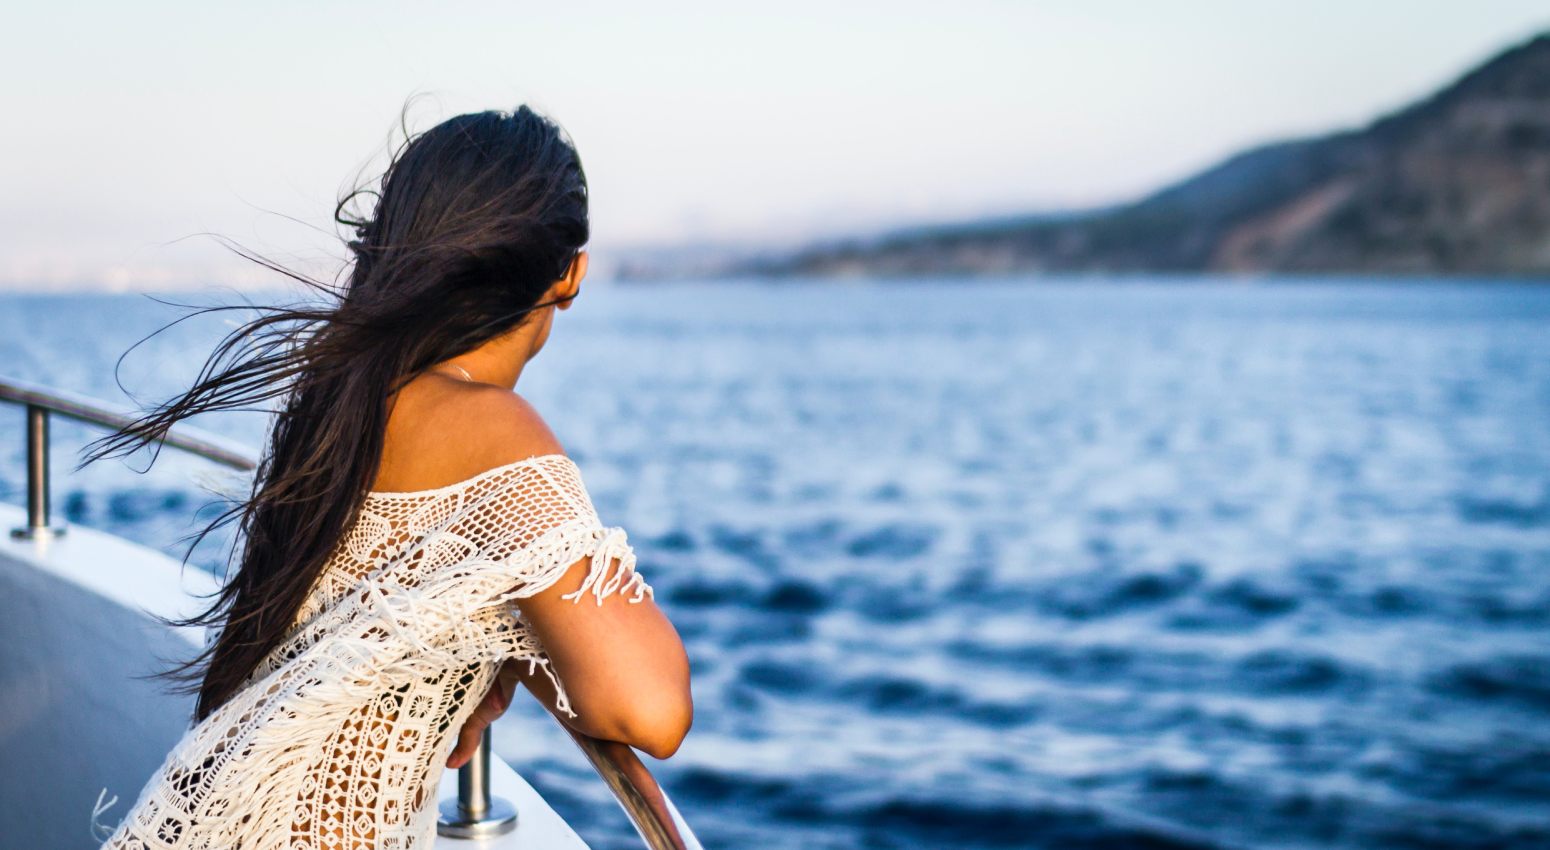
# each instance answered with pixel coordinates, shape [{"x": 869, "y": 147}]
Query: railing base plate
[
  {"x": 454, "y": 822},
  {"x": 35, "y": 532}
]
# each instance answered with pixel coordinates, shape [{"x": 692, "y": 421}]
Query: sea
[{"x": 1058, "y": 563}]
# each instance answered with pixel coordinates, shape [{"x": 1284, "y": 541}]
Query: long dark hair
[{"x": 474, "y": 220}]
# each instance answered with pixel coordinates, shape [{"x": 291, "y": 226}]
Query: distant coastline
[{"x": 1456, "y": 185}]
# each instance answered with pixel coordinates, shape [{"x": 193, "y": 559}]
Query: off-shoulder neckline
[{"x": 434, "y": 491}]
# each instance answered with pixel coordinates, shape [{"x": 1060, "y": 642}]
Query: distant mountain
[{"x": 1457, "y": 184}]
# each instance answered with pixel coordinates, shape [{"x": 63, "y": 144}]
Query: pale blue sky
[{"x": 128, "y": 126}]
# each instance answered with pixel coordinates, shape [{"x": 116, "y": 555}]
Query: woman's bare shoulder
[
  {"x": 454, "y": 430},
  {"x": 502, "y": 426}
]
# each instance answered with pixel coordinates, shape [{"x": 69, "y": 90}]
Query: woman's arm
[
  {"x": 622, "y": 663},
  {"x": 498, "y": 700}
]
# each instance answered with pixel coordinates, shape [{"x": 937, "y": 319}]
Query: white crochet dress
[{"x": 339, "y": 739}]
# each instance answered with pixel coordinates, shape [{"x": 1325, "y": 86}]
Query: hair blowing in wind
[{"x": 474, "y": 219}]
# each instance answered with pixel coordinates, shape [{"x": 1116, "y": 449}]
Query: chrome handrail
[
  {"x": 637, "y": 791},
  {"x": 643, "y": 800},
  {"x": 40, "y": 401},
  {"x": 96, "y": 412}
]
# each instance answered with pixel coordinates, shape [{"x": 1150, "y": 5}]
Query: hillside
[{"x": 1456, "y": 184}]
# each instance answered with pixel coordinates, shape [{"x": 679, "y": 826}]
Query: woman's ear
[{"x": 571, "y": 283}]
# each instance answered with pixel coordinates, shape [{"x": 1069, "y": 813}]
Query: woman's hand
[{"x": 492, "y": 706}]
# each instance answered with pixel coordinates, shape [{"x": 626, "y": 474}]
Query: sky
[{"x": 132, "y": 129}]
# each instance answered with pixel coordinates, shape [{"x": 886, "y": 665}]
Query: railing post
[
  {"x": 473, "y": 813},
  {"x": 37, "y": 477}
]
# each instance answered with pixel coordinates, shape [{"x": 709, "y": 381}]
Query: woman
[{"x": 416, "y": 542}]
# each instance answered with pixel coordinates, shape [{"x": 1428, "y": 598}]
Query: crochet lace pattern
[{"x": 338, "y": 740}]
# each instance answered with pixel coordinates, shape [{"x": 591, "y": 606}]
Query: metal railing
[
  {"x": 473, "y": 813},
  {"x": 41, "y": 401}
]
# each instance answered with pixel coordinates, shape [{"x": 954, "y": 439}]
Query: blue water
[{"x": 1140, "y": 565}]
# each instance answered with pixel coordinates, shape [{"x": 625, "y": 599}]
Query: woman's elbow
[{"x": 657, "y": 727}]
